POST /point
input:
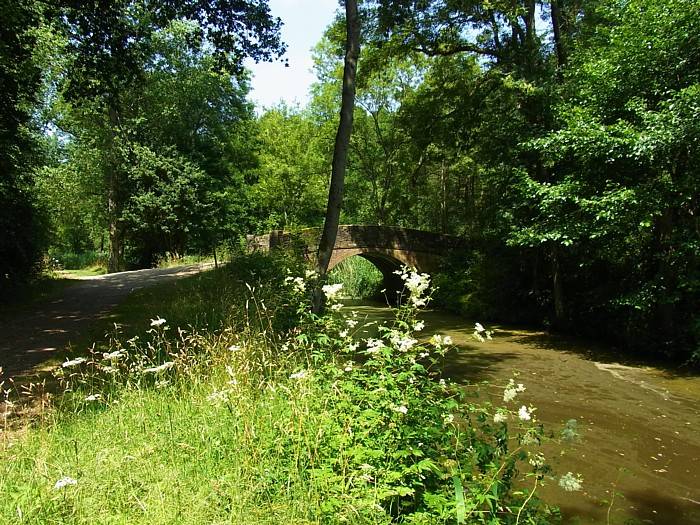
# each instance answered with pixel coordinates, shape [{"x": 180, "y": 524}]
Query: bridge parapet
[{"x": 362, "y": 237}]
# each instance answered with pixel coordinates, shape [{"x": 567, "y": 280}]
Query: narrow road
[{"x": 27, "y": 340}]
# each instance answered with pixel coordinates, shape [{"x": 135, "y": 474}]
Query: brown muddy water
[{"x": 639, "y": 452}]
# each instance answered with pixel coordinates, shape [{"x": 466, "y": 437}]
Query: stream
[{"x": 639, "y": 452}]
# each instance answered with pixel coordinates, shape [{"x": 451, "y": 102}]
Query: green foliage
[
  {"x": 359, "y": 277},
  {"x": 291, "y": 178},
  {"x": 21, "y": 223},
  {"x": 301, "y": 425}
]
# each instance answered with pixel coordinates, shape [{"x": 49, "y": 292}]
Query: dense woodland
[{"x": 560, "y": 138}]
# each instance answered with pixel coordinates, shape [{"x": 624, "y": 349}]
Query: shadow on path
[{"x": 29, "y": 339}]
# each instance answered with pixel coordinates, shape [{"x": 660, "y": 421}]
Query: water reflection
[{"x": 640, "y": 452}]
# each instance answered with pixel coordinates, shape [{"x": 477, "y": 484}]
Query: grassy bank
[{"x": 224, "y": 401}]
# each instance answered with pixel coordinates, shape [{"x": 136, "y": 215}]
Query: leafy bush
[{"x": 266, "y": 421}]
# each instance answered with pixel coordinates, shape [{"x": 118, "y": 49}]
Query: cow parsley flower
[
  {"x": 301, "y": 374},
  {"x": 93, "y": 397},
  {"x": 331, "y": 290},
  {"x": 160, "y": 368},
  {"x": 374, "y": 345},
  {"x": 500, "y": 417},
  {"x": 418, "y": 326},
  {"x": 158, "y": 322},
  {"x": 73, "y": 362},
  {"x": 64, "y": 482},
  {"x": 400, "y": 409},
  {"x": 512, "y": 390},
  {"x": 570, "y": 482},
  {"x": 111, "y": 356},
  {"x": 524, "y": 414}
]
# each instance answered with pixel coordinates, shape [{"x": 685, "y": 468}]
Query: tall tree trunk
[
  {"x": 114, "y": 263},
  {"x": 340, "y": 151},
  {"x": 558, "y": 289},
  {"x": 557, "y": 23}
]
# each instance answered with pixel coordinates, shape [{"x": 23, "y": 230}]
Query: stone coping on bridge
[{"x": 354, "y": 236}]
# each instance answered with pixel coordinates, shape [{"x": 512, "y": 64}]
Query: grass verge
[{"x": 228, "y": 402}]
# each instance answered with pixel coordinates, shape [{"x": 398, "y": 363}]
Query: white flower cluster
[
  {"x": 439, "y": 340},
  {"x": 158, "y": 322},
  {"x": 374, "y": 345},
  {"x": 113, "y": 356},
  {"x": 525, "y": 414},
  {"x": 64, "y": 482},
  {"x": 481, "y": 333},
  {"x": 512, "y": 390},
  {"x": 571, "y": 483},
  {"x": 158, "y": 369},
  {"x": 401, "y": 342},
  {"x": 73, "y": 362},
  {"x": 416, "y": 283},
  {"x": 331, "y": 290},
  {"x": 298, "y": 284},
  {"x": 500, "y": 417}
]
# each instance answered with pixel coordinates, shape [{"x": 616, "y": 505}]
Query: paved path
[{"x": 28, "y": 339}]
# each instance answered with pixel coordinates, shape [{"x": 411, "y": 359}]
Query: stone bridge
[{"x": 388, "y": 248}]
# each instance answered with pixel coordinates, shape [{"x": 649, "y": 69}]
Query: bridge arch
[{"x": 388, "y": 248}]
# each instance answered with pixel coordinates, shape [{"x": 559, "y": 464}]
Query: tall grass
[
  {"x": 265, "y": 413},
  {"x": 360, "y": 278}
]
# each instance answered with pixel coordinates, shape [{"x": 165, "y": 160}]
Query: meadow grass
[{"x": 224, "y": 400}]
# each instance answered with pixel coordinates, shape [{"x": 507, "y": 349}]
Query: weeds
[{"x": 278, "y": 416}]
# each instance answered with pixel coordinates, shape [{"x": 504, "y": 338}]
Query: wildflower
[
  {"x": 298, "y": 284},
  {"x": 442, "y": 383},
  {"x": 343, "y": 333},
  {"x": 351, "y": 323},
  {"x": 93, "y": 397},
  {"x": 160, "y": 368},
  {"x": 218, "y": 397},
  {"x": 310, "y": 274},
  {"x": 571, "y": 483},
  {"x": 158, "y": 322},
  {"x": 337, "y": 306},
  {"x": 348, "y": 366},
  {"x": 73, "y": 362},
  {"x": 374, "y": 345},
  {"x": 418, "y": 326},
  {"x": 423, "y": 355},
  {"x": 234, "y": 348},
  {"x": 537, "y": 460},
  {"x": 480, "y": 332},
  {"x": 110, "y": 369},
  {"x": 524, "y": 414},
  {"x": 500, "y": 417},
  {"x": 439, "y": 340},
  {"x": 511, "y": 390},
  {"x": 331, "y": 290},
  {"x": 352, "y": 347},
  {"x": 64, "y": 482},
  {"x": 448, "y": 419},
  {"x": 301, "y": 374},
  {"x": 401, "y": 409},
  {"x": 416, "y": 283},
  {"x": 403, "y": 344},
  {"x": 110, "y": 356}
]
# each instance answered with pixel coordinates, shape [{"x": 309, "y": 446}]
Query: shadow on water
[{"x": 638, "y": 420}]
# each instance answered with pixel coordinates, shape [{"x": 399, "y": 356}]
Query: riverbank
[{"x": 639, "y": 452}]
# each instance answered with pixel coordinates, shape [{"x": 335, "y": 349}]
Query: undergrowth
[{"x": 276, "y": 416}]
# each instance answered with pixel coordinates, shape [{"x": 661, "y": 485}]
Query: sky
[{"x": 304, "y": 23}]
